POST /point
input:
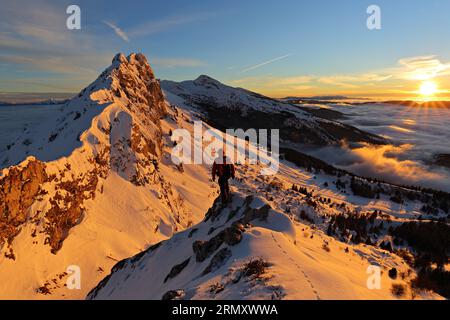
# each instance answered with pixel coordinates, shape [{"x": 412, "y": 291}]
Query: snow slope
[
  {"x": 95, "y": 184},
  {"x": 92, "y": 185},
  {"x": 227, "y": 107},
  {"x": 298, "y": 266},
  {"x": 210, "y": 260}
]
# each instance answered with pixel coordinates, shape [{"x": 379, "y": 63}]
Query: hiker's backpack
[{"x": 227, "y": 171}]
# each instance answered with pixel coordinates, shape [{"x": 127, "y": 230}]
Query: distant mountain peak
[{"x": 204, "y": 79}]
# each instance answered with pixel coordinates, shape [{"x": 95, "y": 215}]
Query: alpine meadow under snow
[{"x": 95, "y": 187}]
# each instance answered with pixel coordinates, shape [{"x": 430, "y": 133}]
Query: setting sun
[{"x": 428, "y": 88}]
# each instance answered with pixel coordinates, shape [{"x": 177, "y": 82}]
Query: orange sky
[{"x": 404, "y": 80}]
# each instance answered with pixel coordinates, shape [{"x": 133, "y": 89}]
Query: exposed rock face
[
  {"x": 122, "y": 264},
  {"x": 177, "y": 269},
  {"x": 213, "y": 253},
  {"x": 18, "y": 190},
  {"x": 173, "y": 295},
  {"x": 133, "y": 81},
  {"x": 218, "y": 260},
  {"x": 125, "y": 138},
  {"x": 231, "y": 235},
  {"x": 137, "y": 81},
  {"x": 67, "y": 205}
]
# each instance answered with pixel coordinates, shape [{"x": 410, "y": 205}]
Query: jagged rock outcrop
[
  {"x": 218, "y": 260},
  {"x": 202, "y": 253},
  {"x": 173, "y": 295},
  {"x": 248, "y": 249},
  {"x": 177, "y": 269},
  {"x": 18, "y": 190},
  {"x": 112, "y": 126}
]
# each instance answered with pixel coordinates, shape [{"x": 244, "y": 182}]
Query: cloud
[
  {"x": 274, "y": 80},
  {"x": 411, "y": 162},
  {"x": 119, "y": 32},
  {"x": 302, "y": 87},
  {"x": 31, "y": 23},
  {"x": 423, "y": 68},
  {"x": 400, "y": 80},
  {"x": 384, "y": 162},
  {"x": 273, "y": 85},
  {"x": 259, "y": 65},
  {"x": 41, "y": 33},
  {"x": 153, "y": 27},
  {"x": 70, "y": 64},
  {"x": 289, "y": 85},
  {"x": 39, "y": 82},
  {"x": 294, "y": 80},
  {"x": 176, "y": 62},
  {"x": 34, "y": 38},
  {"x": 410, "y": 68},
  {"x": 354, "y": 81},
  {"x": 388, "y": 162},
  {"x": 9, "y": 42},
  {"x": 339, "y": 81}
]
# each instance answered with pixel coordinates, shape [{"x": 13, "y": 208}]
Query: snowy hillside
[
  {"x": 95, "y": 185},
  {"x": 92, "y": 185},
  {"x": 227, "y": 107},
  {"x": 280, "y": 238},
  {"x": 248, "y": 251}
]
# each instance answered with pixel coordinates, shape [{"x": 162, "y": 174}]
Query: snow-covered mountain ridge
[
  {"x": 223, "y": 106},
  {"x": 99, "y": 186},
  {"x": 247, "y": 250},
  {"x": 320, "y": 230},
  {"x": 91, "y": 185}
]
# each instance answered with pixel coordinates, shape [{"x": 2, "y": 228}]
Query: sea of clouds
[{"x": 417, "y": 135}]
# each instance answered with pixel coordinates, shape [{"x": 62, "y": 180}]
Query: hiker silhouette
[{"x": 224, "y": 169}]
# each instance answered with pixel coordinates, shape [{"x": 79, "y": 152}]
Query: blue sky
[{"x": 278, "y": 48}]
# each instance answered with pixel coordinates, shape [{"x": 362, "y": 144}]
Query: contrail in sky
[{"x": 266, "y": 63}]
